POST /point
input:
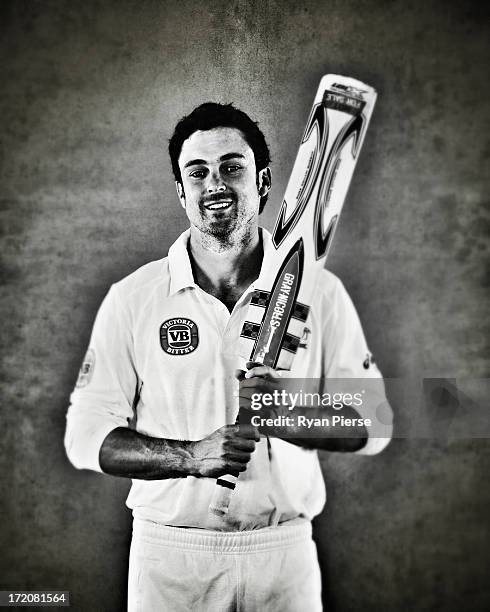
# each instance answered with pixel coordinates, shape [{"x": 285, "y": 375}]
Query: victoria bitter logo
[{"x": 179, "y": 336}]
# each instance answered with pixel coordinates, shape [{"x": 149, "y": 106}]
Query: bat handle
[
  {"x": 225, "y": 485},
  {"x": 223, "y": 491}
]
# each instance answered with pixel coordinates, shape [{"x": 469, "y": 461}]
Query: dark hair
[{"x": 211, "y": 115}]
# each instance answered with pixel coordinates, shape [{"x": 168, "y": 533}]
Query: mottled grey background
[{"x": 90, "y": 92}]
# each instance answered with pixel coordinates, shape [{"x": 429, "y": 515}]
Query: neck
[{"x": 229, "y": 265}]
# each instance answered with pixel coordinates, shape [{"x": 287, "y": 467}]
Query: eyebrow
[{"x": 226, "y": 157}]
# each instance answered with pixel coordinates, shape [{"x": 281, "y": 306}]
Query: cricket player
[{"x": 156, "y": 398}]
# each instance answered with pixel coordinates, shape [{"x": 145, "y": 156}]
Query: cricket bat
[{"x": 303, "y": 233}]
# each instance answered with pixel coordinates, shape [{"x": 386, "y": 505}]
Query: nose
[{"x": 215, "y": 183}]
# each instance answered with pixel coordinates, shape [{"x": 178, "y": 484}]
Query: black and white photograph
[{"x": 245, "y": 358}]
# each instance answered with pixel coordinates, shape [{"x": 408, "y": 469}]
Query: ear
[
  {"x": 265, "y": 181},
  {"x": 180, "y": 193}
]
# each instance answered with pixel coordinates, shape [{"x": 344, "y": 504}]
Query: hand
[
  {"x": 257, "y": 381},
  {"x": 226, "y": 451}
]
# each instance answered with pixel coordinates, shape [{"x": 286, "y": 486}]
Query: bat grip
[{"x": 223, "y": 491}]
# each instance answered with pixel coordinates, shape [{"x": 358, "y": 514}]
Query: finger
[
  {"x": 263, "y": 371},
  {"x": 230, "y": 430},
  {"x": 247, "y": 393},
  {"x": 258, "y": 370},
  {"x": 253, "y": 364},
  {"x": 234, "y": 468},
  {"x": 247, "y": 413},
  {"x": 249, "y": 432},
  {"x": 239, "y": 457},
  {"x": 244, "y": 444},
  {"x": 244, "y": 406},
  {"x": 256, "y": 364},
  {"x": 239, "y": 374},
  {"x": 257, "y": 383}
]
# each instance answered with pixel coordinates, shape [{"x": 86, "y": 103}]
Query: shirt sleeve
[
  {"x": 348, "y": 357},
  {"x": 103, "y": 396}
]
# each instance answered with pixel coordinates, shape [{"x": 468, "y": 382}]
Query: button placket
[
  {"x": 221, "y": 316},
  {"x": 232, "y": 331}
]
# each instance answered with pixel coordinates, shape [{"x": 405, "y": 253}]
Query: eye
[
  {"x": 233, "y": 168},
  {"x": 198, "y": 174}
]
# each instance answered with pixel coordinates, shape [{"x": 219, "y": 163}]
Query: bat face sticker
[
  {"x": 317, "y": 128},
  {"x": 322, "y": 168},
  {"x": 279, "y": 308}
]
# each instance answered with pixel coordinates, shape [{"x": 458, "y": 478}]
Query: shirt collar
[
  {"x": 181, "y": 276},
  {"x": 268, "y": 248},
  {"x": 180, "y": 265}
]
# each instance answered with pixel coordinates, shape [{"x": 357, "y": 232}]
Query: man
[{"x": 163, "y": 350}]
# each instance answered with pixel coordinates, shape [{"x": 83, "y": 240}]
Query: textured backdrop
[{"x": 90, "y": 93}]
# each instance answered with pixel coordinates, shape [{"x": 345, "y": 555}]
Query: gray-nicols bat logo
[
  {"x": 179, "y": 336},
  {"x": 339, "y": 98}
]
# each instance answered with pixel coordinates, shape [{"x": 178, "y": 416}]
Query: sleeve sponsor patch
[
  {"x": 87, "y": 369},
  {"x": 368, "y": 361}
]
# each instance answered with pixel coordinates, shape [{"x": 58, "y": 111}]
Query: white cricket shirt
[{"x": 158, "y": 333}]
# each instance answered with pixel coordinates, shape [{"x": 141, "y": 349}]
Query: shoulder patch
[
  {"x": 368, "y": 361},
  {"x": 179, "y": 336},
  {"x": 87, "y": 369}
]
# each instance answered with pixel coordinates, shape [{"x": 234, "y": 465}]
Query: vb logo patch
[
  {"x": 179, "y": 336},
  {"x": 87, "y": 369}
]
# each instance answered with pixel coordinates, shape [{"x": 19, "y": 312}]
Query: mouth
[{"x": 219, "y": 205}]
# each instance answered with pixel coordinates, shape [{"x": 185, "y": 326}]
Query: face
[{"x": 220, "y": 190}]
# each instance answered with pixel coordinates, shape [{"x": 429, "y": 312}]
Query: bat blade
[{"x": 308, "y": 216}]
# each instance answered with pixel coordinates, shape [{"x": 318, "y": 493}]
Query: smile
[{"x": 219, "y": 205}]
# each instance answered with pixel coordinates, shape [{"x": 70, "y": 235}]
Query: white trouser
[{"x": 177, "y": 569}]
